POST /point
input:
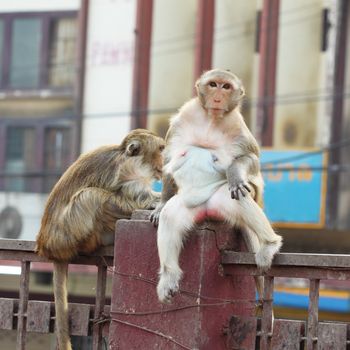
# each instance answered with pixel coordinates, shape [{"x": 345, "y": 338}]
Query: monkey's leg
[
  {"x": 90, "y": 215},
  {"x": 228, "y": 208},
  {"x": 245, "y": 212},
  {"x": 254, "y": 217},
  {"x": 174, "y": 221}
]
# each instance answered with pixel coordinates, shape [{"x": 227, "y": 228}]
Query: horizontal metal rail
[
  {"x": 314, "y": 267},
  {"x": 26, "y": 311}
]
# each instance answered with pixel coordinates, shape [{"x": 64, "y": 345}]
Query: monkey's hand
[
  {"x": 237, "y": 185},
  {"x": 241, "y": 188},
  {"x": 154, "y": 218}
]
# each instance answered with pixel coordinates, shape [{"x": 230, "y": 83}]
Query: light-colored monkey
[
  {"x": 101, "y": 187},
  {"x": 212, "y": 171}
]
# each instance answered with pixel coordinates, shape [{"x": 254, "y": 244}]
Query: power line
[
  {"x": 341, "y": 144},
  {"x": 253, "y": 103},
  {"x": 184, "y": 47},
  {"x": 229, "y": 27}
]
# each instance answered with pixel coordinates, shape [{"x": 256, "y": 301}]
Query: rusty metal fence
[
  {"x": 38, "y": 316},
  {"x": 244, "y": 332},
  {"x": 290, "y": 334}
]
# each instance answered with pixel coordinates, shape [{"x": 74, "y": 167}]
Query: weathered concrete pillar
[{"x": 199, "y": 315}]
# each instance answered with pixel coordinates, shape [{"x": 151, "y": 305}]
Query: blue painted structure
[{"x": 294, "y": 187}]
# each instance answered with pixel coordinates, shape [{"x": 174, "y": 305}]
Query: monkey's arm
[
  {"x": 244, "y": 165},
  {"x": 169, "y": 189}
]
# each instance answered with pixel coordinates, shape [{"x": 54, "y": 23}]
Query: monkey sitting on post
[
  {"x": 212, "y": 171},
  {"x": 99, "y": 188}
]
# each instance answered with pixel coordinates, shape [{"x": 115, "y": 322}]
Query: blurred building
[{"x": 78, "y": 74}]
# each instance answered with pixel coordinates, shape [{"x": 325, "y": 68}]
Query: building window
[
  {"x": 57, "y": 154},
  {"x": 19, "y": 158},
  {"x": 62, "y": 51},
  {"x": 25, "y": 53},
  {"x": 38, "y": 51},
  {"x": 34, "y": 157}
]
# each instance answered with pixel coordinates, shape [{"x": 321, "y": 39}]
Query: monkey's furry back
[{"x": 83, "y": 204}]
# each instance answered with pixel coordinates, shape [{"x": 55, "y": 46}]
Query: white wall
[
  {"x": 38, "y": 5},
  {"x": 108, "y": 84},
  {"x": 299, "y": 73},
  {"x": 234, "y": 42},
  {"x": 172, "y": 58}
]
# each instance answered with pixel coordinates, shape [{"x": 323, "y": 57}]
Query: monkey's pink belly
[{"x": 205, "y": 214}]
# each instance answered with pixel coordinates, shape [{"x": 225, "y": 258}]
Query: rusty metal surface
[
  {"x": 312, "y": 321},
  {"x": 291, "y": 259},
  {"x": 267, "y": 314},
  {"x": 29, "y": 246},
  {"x": 41, "y": 313},
  {"x": 80, "y": 260},
  {"x": 79, "y": 315},
  {"x": 36, "y": 316},
  {"x": 295, "y": 272},
  {"x": 15, "y": 244},
  {"x": 241, "y": 333},
  {"x": 38, "y": 319},
  {"x": 287, "y": 334},
  {"x": 99, "y": 307},
  {"x": 141, "y": 215},
  {"x": 332, "y": 336},
  {"x": 217, "y": 284},
  {"x": 6, "y": 313},
  {"x": 22, "y": 307},
  {"x": 198, "y": 314}
]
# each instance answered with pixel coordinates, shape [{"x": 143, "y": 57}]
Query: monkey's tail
[
  {"x": 253, "y": 245},
  {"x": 60, "y": 272}
]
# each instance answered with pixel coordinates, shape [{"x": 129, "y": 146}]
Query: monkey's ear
[{"x": 133, "y": 148}]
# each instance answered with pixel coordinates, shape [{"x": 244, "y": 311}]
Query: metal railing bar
[
  {"x": 99, "y": 306},
  {"x": 312, "y": 322},
  {"x": 22, "y": 307},
  {"x": 267, "y": 314}
]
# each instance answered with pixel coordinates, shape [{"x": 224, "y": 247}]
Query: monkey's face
[
  {"x": 149, "y": 148},
  {"x": 219, "y": 91}
]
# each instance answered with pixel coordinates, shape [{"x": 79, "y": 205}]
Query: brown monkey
[
  {"x": 212, "y": 171},
  {"x": 99, "y": 188}
]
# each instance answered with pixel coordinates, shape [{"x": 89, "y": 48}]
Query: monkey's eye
[
  {"x": 227, "y": 86},
  {"x": 212, "y": 84}
]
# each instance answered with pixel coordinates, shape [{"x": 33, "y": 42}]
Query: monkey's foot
[
  {"x": 265, "y": 255},
  {"x": 168, "y": 285},
  {"x": 154, "y": 217}
]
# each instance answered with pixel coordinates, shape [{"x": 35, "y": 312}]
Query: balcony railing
[
  {"x": 293, "y": 334},
  {"x": 38, "y": 316},
  {"x": 215, "y": 308}
]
